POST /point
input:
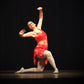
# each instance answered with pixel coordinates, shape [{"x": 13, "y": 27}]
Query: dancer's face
[{"x": 31, "y": 25}]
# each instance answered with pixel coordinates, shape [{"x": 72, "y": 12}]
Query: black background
[{"x": 63, "y": 23}]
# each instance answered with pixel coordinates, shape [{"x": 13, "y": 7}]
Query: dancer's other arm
[{"x": 28, "y": 34}]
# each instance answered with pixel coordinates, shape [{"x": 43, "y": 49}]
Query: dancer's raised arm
[{"x": 40, "y": 17}]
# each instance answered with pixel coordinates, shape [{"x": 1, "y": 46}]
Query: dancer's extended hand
[
  {"x": 39, "y": 8},
  {"x": 22, "y": 32}
]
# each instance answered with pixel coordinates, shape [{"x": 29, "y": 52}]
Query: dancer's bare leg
[
  {"x": 39, "y": 68},
  {"x": 51, "y": 60}
]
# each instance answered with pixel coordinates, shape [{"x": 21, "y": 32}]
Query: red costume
[{"x": 42, "y": 45}]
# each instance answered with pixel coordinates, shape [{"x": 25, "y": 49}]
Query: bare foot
[
  {"x": 56, "y": 71},
  {"x": 20, "y": 71}
]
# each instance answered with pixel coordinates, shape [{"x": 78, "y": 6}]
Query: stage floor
[
  {"x": 46, "y": 77},
  {"x": 42, "y": 75}
]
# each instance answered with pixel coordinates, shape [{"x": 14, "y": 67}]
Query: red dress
[{"x": 42, "y": 45}]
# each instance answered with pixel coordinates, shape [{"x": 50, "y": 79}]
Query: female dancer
[{"x": 41, "y": 53}]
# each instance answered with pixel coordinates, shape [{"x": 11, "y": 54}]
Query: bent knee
[
  {"x": 47, "y": 53},
  {"x": 40, "y": 70}
]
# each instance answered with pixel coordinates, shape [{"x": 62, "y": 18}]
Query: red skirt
[{"x": 39, "y": 51}]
